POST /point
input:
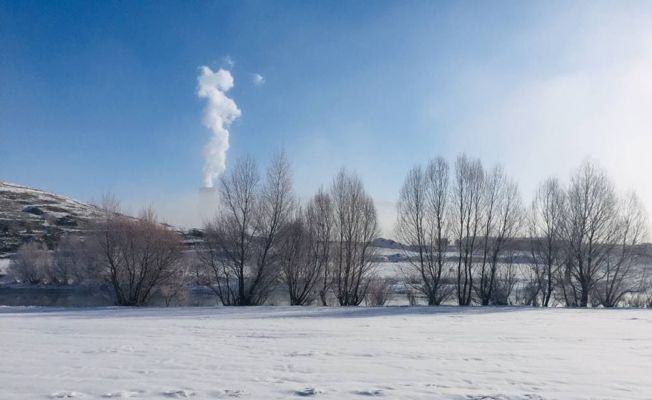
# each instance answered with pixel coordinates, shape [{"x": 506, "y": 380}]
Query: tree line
[
  {"x": 581, "y": 241},
  {"x": 467, "y": 238},
  {"x": 263, "y": 235}
]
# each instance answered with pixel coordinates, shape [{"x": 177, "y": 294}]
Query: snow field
[{"x": 329, "y": 353}]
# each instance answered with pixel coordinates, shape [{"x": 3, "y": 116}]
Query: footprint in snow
[
  {"x": 178, "y": 394},
  {"x": 123, "y": 395},
  {"x": 234, "y": 392},
  {"x": 371, "y": 392},
  {"x": 307, "y": 392},
  {"x": 65, "y": 395}
]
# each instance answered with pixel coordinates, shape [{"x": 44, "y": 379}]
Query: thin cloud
[
  {"x": 258, "y": 79},
  {"x": 228, "y": 62}
]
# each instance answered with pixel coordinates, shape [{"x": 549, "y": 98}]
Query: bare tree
[
  {"x": 501, "y": 216},
  {"x": 643, "y": 296},
  {"x": 466, "y": 197},
  {"x": 422, "y": 226},
  {"x": 591, "y": 230},
  {"x": 319, "y": 221},
  {"x": 299, "y": 270},
  {"x": 620, "y": 263},
  {"x": 379, "y": 291},
  {"x": 277, "y": 204},
  {"x": 66, "y": 259},
  {"x": 136, "y": 256},
  {"x": 240, "y": 259},
  {"x": 566, "y": 289},
  {"x": 109, "y": 205},
  {"x": 229, "y": 251},
  {"x": 31, "y": 264},
  {"x": 529, "y": 293},
  {"x": 545, "y": 237},
  {"x": 176, "y": 289},
  {"x": 504, "y": 283},
  {"x": 356, "y": 227},
  {"x": 74, "y": 261}
]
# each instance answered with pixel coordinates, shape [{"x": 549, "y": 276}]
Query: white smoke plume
[{"x": 219, "y": 113}]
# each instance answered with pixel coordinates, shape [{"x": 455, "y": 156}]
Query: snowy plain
[{"x": 331, "y": 353}]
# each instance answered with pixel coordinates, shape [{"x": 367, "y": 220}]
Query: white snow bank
[{"x": 330, "y": 353}]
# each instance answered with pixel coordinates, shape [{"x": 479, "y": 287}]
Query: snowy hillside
[
  {"x": 26, "y": 213},
  {"x": 342, "y": 353}
]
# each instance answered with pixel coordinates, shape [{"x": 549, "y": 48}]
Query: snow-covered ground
[{"x": 330, "y": 353}]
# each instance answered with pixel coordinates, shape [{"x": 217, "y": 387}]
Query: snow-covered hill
[{"x": 27, "y": 213}]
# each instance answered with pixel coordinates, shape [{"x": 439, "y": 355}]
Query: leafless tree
[
  {"x": 545, "y": 224},
  {"x": 276, "y": 206},
  {"x": 240, "y": 260},
  {"x": 74, "y": 261},
  {"x": 379, "y": 291},
  {"x": 176, "y": 289},
  {"x": 619, "y": 266},
  {"x": 31, "y": 264},
  {"x": 585, "y": 240},
  {"x": 67, "y": 259},
  {"x": 591, "y": 230},
  {"x": 422, "y": 225},
  {"x": 355, "y": 228},
  {"x": 643, "y": 296},
  {"x": 566, "y": 290},
  {"x": 229, "y": 242},
  {"x": 136, "y": 256},
  {"x": 506, "y": 278},
  {"x": 109, "y": 205},
  {"x": 299, "y": 270},
  {"x": 466, "y": 198},
  {"x": 501, "y": 217},
  {"x": 529, "y": 291},
  {"x": 319, "y": 221}
]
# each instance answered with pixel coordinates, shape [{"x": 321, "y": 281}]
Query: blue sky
[{"x": 100, "y": 97}]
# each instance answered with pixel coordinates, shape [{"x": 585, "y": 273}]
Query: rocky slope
[
  {"x": 31, "y": 214},
  {"x": 27, "y": 214}
]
